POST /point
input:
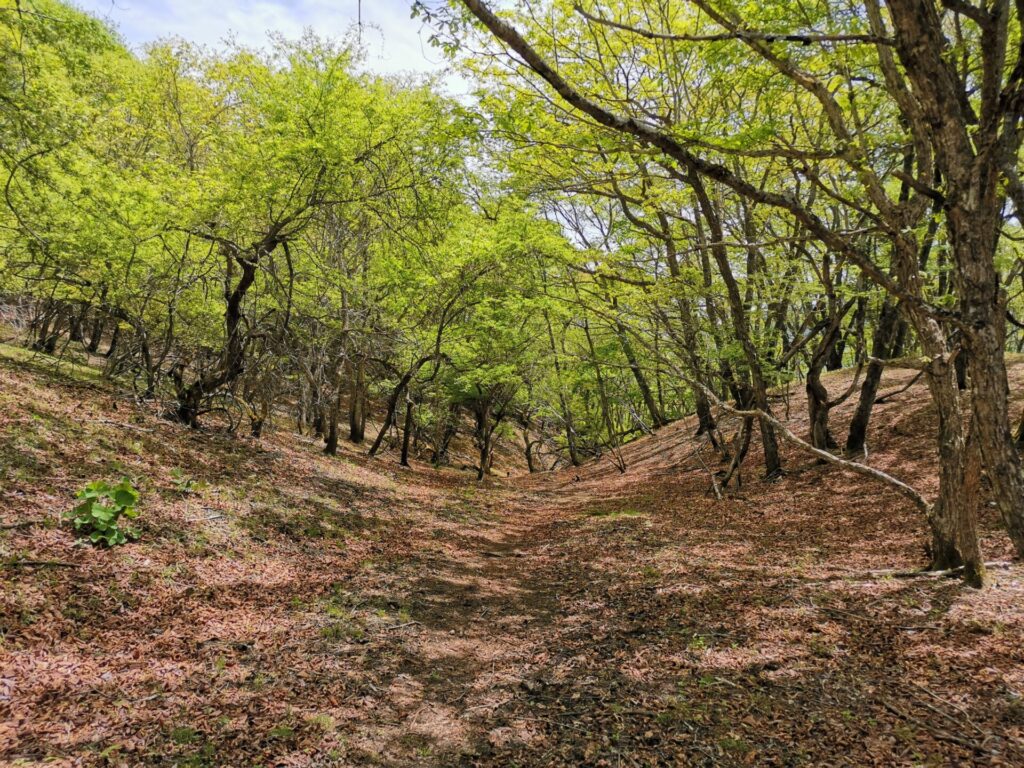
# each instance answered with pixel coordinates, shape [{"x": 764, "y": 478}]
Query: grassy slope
[{"x": 300, "y": 610}]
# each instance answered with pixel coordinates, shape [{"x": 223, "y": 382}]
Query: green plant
[
  {"x": 184, "y": 735},
  {"x": 102, "y": 506},
  {"x": 184, "y": 484}
]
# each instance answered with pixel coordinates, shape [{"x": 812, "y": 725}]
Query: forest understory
[{"x": 287, "y": 608}]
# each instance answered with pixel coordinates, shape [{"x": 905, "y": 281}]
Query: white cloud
[{"x": 394, "y": 41}]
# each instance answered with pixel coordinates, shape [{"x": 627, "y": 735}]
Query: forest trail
[{"x": 300, "y": 610}]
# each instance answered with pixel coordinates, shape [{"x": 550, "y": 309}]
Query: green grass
[
  {"x": 67, "y": 366},
  {"x": 615, "y": 514}
]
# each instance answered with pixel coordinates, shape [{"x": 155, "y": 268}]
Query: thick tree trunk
[
  {"x": 970, "y": 549},
  {"x": 96, "y": 333},
  {"x": 232, "y": 356},
  {"x": 954, "y": 536},
  {"x": 984, "y": 310},
  {"x": 961, "y": 368},
  {"x": 971, "y": 160},
  {"x": 951, "y": 523},
  {"x": 991, "y": 408}
]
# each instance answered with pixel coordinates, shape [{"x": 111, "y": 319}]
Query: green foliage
[
  {"x": 184, "y": 484},
  {"x": 555, "y": 277},
  {"x": 102, "y": 507}
]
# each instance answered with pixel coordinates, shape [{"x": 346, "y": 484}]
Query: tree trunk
[
  {"x": 357, "y": 402},
  {"x": 115, "y": 337},
  {"x": 530, "y": 466},
  {"x": 991, "y": 409},
  {"x": 483, "y": 438},
  {"x": 392, "y": 407},
  {"x": 971, "y": 160},
  {"x": 232, "y": 356},
  {"x": 881, "y": 349},
  {"x": 451, "y": 427},
  {"x": 96, "y": 333},
  {"x": 818, "y": 404},
  {"x": 333, "y": 417},
  {"x": 983, "y": 305},
  {"x": 818, "y": 410},
  {"x": 406, "y": 433},
  {"x": 835, "y": 356},
  {"x": 657, "y": 420},
  {"x": 772, "y": 458},
  {"x": 970, "y": 550},
  {"x": 567, "y": 420},
  {"x": 76, "y": 324},
  {"x": 952, "y": 525}
]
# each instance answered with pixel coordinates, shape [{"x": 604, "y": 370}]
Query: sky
[{"x": 395, "y": 42}]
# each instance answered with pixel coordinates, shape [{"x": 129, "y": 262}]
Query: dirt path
[
  {"x": 581, "y": 627},
  {"x": 299, "y": 610}
]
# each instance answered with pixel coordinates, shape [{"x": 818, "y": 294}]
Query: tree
[{"x": 896, "y": 218}]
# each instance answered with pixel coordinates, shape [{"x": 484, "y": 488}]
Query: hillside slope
[{"x": 301, "y": 610}]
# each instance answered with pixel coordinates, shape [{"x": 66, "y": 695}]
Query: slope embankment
[{"x": 286, "y": 608}]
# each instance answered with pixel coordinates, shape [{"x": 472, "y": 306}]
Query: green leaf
[{"x": 125, "y": 497}]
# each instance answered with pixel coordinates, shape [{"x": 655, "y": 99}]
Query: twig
[
  {"x": 931, "y": 574},
  {"x": 938, "y": 734},
  {"x": 961, "y": 710},
  {"x": 714, "y": 479},
  {"x": 967, "y": 719},
  {"x": 556, "y": 722},
  {"x": 500, "y": 704},
  {"x": 15, "y": 526},
  {"x": 399, "y": 626},
  {"x": 861, "y": 469}
]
